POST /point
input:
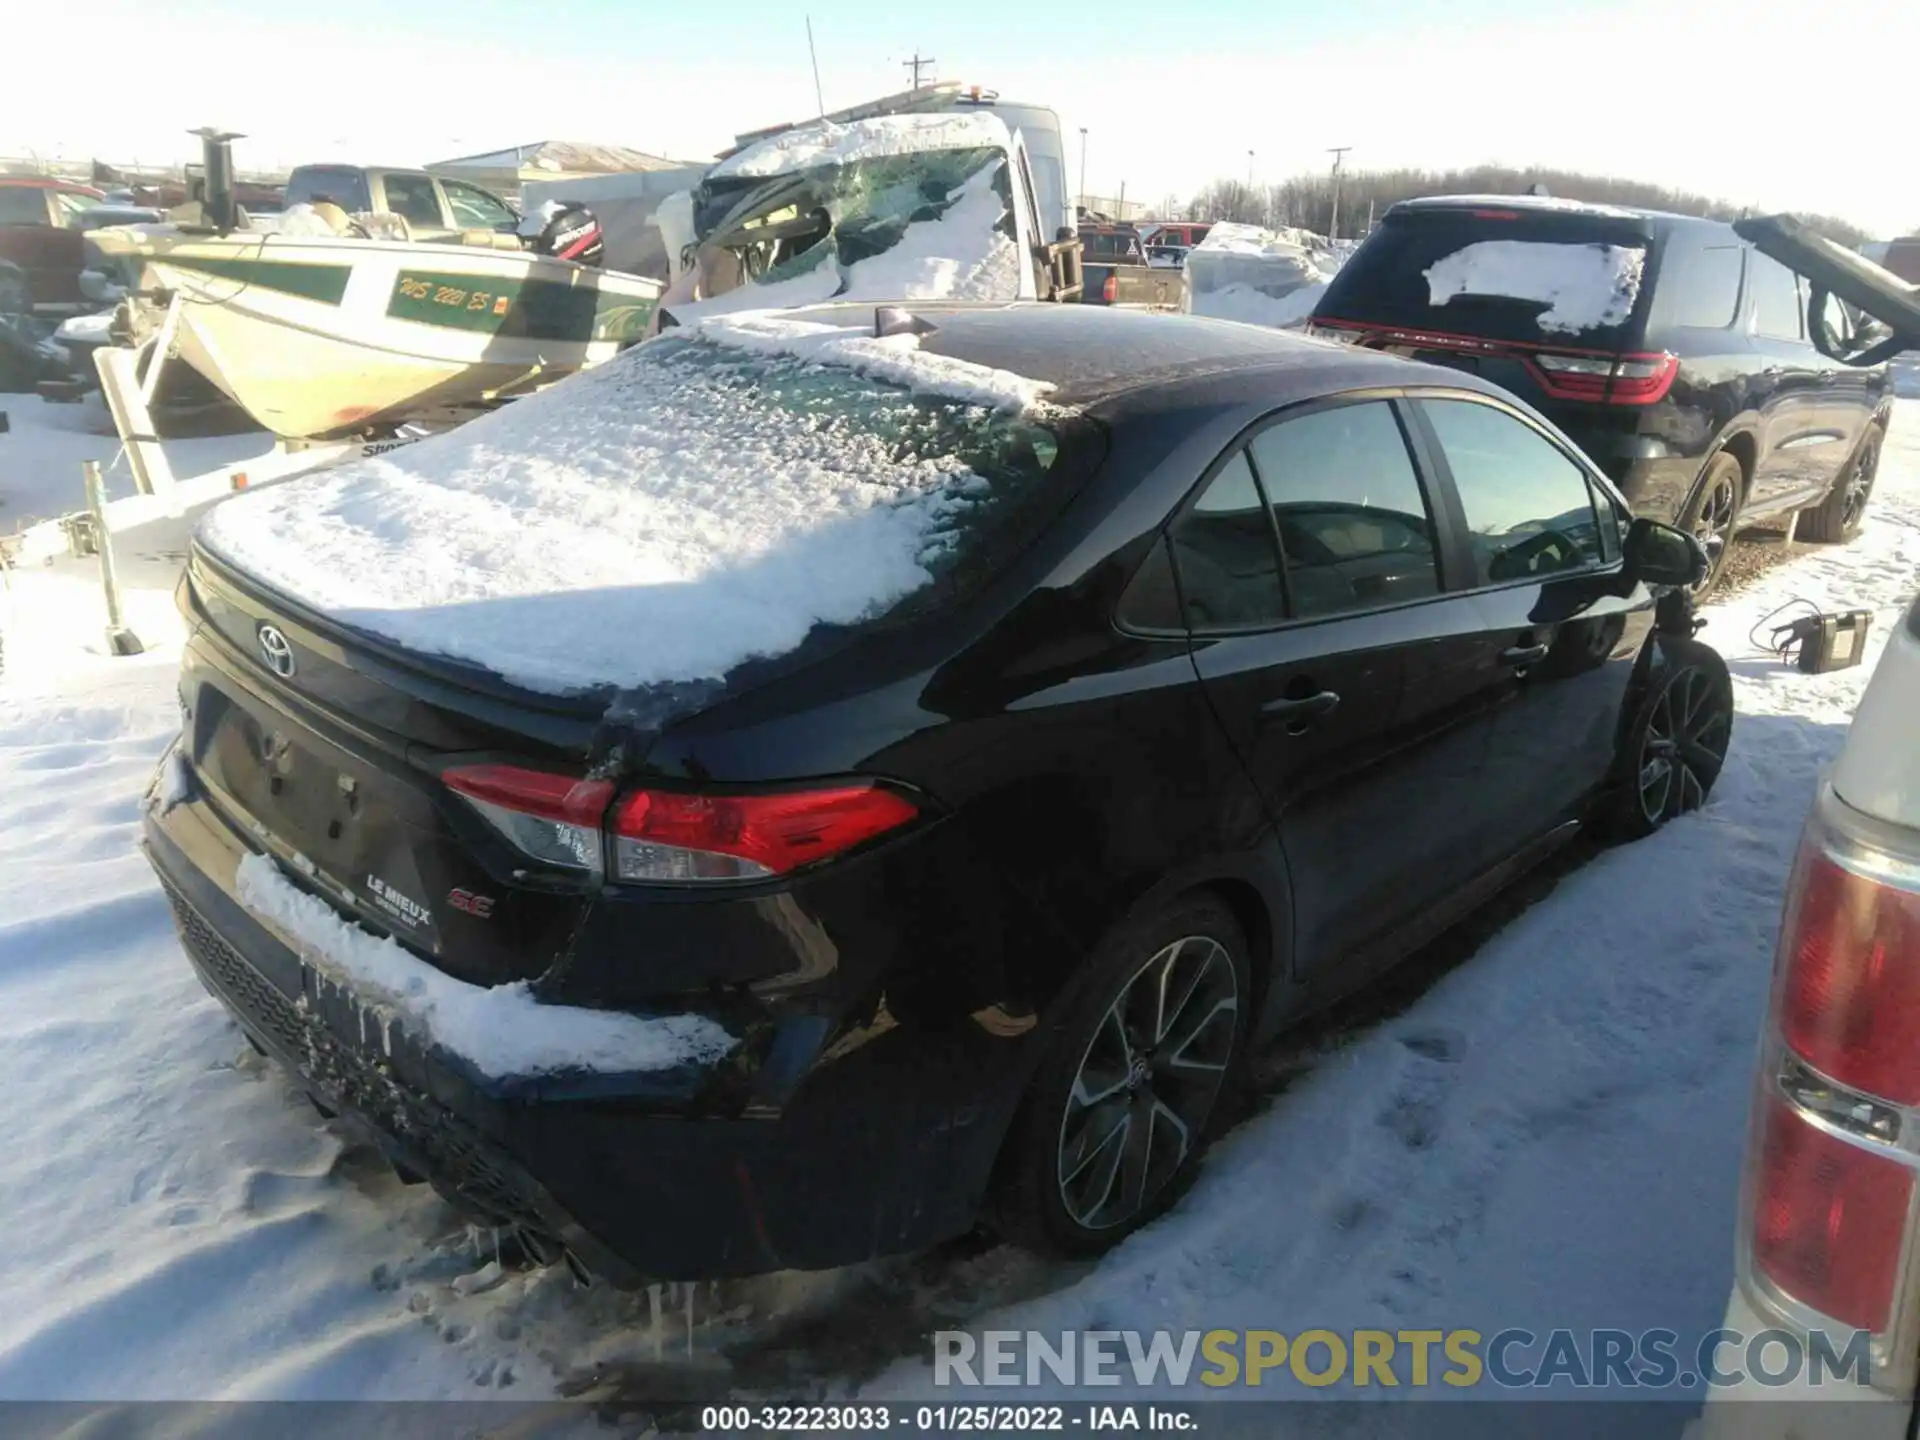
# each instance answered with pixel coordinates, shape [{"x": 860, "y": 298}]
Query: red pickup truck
[{"x": 40, "y": 229}]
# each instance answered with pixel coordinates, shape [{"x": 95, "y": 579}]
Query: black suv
[{"x": 1690, "y": 378}]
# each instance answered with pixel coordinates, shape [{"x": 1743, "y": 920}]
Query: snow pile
[
  {"x": 300, "y": 221},
  {"x": 1257, "y": 276},
  {"x": 503, "y": 1031},
  {"x": 822, "y": 142},
  {"x": 960, "y": 255},
  {"x": 87, "y": 329},
  {"x": 648, "y": 521},
  {"x": 1586, "y": 286}
]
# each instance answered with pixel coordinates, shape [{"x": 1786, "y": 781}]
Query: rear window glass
[
  {"x": 23, "y": 205},
  {"x": 1776, "y": 299},
  {"x": 342, "y": 185},
  {"x": 1528, "y": 507},
  {"x": 1352, "y": 518},
  {"x": 1700, "y": 284},
  {"x": 1555, "y": 279}
]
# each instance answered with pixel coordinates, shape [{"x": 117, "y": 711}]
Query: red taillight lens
[
  {"x": 1605, "y": 379},
  {"x": 662, "y": 835},
  {"x": 1111, "y": 289},
  {"x": 1850, "y": 983},
  {"x": 1829, "y": 1219},
  {"x": 553, "y": 818}
]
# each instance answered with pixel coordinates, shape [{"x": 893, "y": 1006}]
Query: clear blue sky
[{"x": 1709, "y": 94}]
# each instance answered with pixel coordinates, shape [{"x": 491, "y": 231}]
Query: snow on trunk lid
[{"x": 697, "y": 502}]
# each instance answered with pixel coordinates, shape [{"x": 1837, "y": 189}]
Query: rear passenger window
[
  {"x": 1700, "y": 284},
  {"x": 1353, "y": 521},
  {"x": 1223, "y": 549},
  {"x": 1528, "y": 506},
  {"x": 1776, "y": 299}
]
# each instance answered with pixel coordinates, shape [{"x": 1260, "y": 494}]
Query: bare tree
[{"x": 1307, "y": 200}]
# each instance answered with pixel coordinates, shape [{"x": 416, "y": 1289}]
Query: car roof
[
  {"x": 1552, "y": 205},
  {"x": 49, "y": 182},
  {"x": 1095, "y": 353}
]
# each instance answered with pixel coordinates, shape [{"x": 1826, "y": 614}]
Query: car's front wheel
[
  {"x": 1117, "y": 1115},
  {"x": 1673, "y": 750}
]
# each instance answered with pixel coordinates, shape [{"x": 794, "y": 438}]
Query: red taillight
[
  {"x": 1849, "y": 994},
  {"x": 1110, "y": 289},
  {"x": 1495, "y": 214},
  {"x": 1831, "y": 1171},
  {"x": 1640, "y": 379},
  {"x": 553, "y": 818},
  {"x": 667, "y": 835},
  {"x": 1829, "y": 1219},
  {"x": 670, "y": 835}
]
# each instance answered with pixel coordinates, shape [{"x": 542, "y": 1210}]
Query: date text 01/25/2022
[{"x": 945, "y": 1419}]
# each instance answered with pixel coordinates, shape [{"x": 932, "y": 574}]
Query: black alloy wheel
[
  {"x": 1146, "y": 1039},
  {"x": 1147, "y": 1082},
  {"x": 1676, "y": 748},
  {"x": 1714, "y": 516}
]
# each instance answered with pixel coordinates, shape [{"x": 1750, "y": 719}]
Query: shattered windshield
[{"x": 930, "y": 224}]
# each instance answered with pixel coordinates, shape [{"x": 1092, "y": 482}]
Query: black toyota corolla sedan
[{"x": 1229, "y": 668}]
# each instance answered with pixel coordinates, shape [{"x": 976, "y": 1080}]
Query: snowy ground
[{"x": 1549, "y": 1135}]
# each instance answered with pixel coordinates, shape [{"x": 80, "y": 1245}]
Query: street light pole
[{"x": 1083, "y": 170}]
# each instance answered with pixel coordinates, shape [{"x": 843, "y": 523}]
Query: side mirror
[{"x": 1661, "y": 555}]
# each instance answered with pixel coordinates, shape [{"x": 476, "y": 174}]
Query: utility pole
[
  {"x": 814, "y": 56},
  {"x": 1083, "y": 168},
  {"x": 917, "y": 64},
  {"x": 1339, "y": 153}
]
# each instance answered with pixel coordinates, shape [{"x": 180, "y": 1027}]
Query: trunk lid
[{"x": 332, "y": 766}]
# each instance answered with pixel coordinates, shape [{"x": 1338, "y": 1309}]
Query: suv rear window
[
  {"x": 1494, "y": 274},
  {"x": 344, "y": 185}
]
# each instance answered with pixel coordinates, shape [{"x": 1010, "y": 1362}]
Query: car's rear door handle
[
  {"x": 1300, "y": 711},
  {"x": 1524, "y": 655}
]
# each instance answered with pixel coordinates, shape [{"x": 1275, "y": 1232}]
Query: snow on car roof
[
  {"x": 822, "y": 142},
  {"x": 638, "y": 524}
]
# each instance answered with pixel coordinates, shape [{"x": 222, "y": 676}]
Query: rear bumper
[{"x": 664, "y": 1176}]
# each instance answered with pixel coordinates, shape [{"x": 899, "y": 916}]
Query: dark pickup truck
[{"x": 1114, "y": 269}]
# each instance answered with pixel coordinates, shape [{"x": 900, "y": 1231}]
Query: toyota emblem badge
[{"x": 278, "y": 653}]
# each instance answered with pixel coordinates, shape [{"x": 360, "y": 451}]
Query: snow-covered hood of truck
[{"x": 640, "y": 524}]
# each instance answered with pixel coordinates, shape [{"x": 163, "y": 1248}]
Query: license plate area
[{"x": 333, "y": 818}]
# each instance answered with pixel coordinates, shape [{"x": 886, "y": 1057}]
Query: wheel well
[
  {"x": 1743, "y": 448},
  {"x": 1250, "y": 913}
]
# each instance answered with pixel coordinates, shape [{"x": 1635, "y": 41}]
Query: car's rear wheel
[
  {"x": 1114, "y": 1122},
  {"x": 1673, "y": 752},
  {"x": 1713, "y": 515},
  {"x": 1838, "y": 518}
]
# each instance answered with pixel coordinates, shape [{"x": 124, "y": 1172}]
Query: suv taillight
[
  {"x": 1110, "y": 288},
  {"x": 1830, "y": 1187},
  {"x": 670, "y": 836},
  {"x": 1339, "y": 334},
  {"x": 1640, "y": 379}
]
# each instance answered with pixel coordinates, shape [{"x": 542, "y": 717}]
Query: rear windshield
[
  {"x": 343, "y": 185},
  {"x": 1497, "y": 275},
  {"x": 685, "y": 507}
]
